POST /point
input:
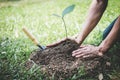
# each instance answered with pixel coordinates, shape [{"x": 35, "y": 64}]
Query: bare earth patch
[{"x": 58, "y": 62}]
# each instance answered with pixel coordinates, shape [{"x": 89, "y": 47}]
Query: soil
[{"x": 58, "y": 62}]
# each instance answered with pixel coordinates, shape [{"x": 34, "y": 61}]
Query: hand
[
  {"x": 87, "y": 51},
  {"x": 58, "y": 42},
  {"x": 63, "y": 40},
  {"x": 73, "y": 38}
]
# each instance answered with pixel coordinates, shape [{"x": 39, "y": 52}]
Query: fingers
[
  {"x": 54, "y": 44},
  {"x": 57, "y": 43},
  {"x": 76, "y": 52},
  {"x": 87, "y": 51},
  {"x": 80, "y": 55},
  {"x": 80, "y": 52}
]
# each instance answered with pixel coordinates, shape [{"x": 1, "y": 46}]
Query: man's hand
[
  {"x": 58, "y": 42},
  {"x": 87, "y": 52},
  {"x": 73, "y": 38}
]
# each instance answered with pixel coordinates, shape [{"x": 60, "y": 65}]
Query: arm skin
[
  {"x": 96, "y": 10},
  {"x": 111, "y": 38},
  {"x": 95, "y": 13},
  {"x": 92, "y": 51}
]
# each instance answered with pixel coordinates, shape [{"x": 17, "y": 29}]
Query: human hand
[
  {"x": 59, "y": 42},
  {"x": 87, "y": 52},
  {"x": 73, "y": 38}
]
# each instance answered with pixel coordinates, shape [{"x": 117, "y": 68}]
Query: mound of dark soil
[{"x": 58, "y": 62}]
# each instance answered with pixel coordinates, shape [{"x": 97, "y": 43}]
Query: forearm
[
  {"x": 95, "y": 12},
  {"x": 111, "y": 38}
]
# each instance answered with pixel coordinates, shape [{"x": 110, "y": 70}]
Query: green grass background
[{"x": 36, "y": 16}]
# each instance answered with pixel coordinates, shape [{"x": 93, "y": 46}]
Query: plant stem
[{"x": 65, "y": 26}]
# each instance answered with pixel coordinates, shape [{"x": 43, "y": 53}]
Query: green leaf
[{"x": 68, "y": 10}]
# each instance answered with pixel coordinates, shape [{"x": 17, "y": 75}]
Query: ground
[
  {"x": 57, "y": 63},
  {"x": 36, "y": 16}
]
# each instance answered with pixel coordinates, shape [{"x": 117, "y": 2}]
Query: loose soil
[{"x": 58, "y": 62}]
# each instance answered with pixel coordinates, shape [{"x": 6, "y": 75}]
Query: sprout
[{"x": 66, "y": 11}]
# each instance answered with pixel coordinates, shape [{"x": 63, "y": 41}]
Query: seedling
[{"x": 65, "y": 11}]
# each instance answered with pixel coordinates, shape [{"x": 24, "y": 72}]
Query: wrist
[
  {"x": 100, "y": 49},
  {"x": 103, "y": 48},
  {"x": 79, "y": 41}
]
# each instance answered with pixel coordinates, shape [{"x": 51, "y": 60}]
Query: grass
[{"x": 36, "y": 15}]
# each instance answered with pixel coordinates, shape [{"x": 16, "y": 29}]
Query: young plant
[{"x": 65, "y": 11}]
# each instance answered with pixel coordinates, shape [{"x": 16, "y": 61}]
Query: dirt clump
[{"x": 58, "y": 62}]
